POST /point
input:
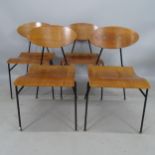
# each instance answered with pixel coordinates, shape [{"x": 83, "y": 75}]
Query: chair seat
[
  {"x": 31, "y": 58},
  {"x": 82, "y": 58},
  {"x": 115, "y": 77},
  {"x": 42, "y": 75}
]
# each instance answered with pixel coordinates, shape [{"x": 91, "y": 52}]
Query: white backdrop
[{"x": 135, "y": 14}]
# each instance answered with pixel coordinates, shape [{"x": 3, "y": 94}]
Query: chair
[
  {"x": 27, "y": 57},
  {"x": 115, "y": 77},
  {"x": 45, "y": 75},
  {"x": 83, "y": 31},
  {"x": 113, "y": 37}
]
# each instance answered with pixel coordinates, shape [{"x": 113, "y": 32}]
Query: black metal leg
[
  {"x": 18, "y": 109},
  {"x": 63, "y": 52},
  {"x": 73, "y": 46},
  {"x": 61, "y": 93},
  {"x": 37, "y": 91},
  {"x": 124, "y": 93},
  {"x": 86, "y": 92},
  {"x": 27, "y": 68},
  {"x": 48, "y": 50},
  {"x": 51, "y": 62},
  {"x": 9, "y": 71},
  {"x": 41, "y": 62},
  {"x": 42, "y": 56},
  {"x": 75, "y": 106},
  {"x": 101, "y": 93},
  {"x": 143, "y": 114},
  {"x": 90, "y": 48},
  {"x": 53, "y": 93},
  {"x": 98, "y": 58},
  {"x": 121, "y": 58},
  {"x": 29, "y": 48},
  {"x": 86, "y": 107}
]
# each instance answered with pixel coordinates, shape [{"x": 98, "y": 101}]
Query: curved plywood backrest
[
  {"x": 83, "y": 30},
  {"x": 25, "y": 29},
  {"x": 113, "y": 37},
  {"x": 53, "y": 36}
]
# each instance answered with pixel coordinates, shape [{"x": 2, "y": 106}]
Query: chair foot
[{"x": 20, "y": 129}]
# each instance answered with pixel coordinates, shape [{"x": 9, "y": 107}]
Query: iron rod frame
[
  {"x": 145, "y": 94},
  {"x": 19, "y": 113},
  {"x": 98, "y": 58}
]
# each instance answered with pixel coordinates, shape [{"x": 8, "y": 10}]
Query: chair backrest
[
  {"x": 113, "y": 37},
  {"x": 53, "y": 36},
  {"x": 83, "y": 30},
  {"x": 26, "y": 28}
]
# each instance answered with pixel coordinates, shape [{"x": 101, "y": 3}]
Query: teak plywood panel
[
  {"x": 83, "y": 30},
  {"x": 31, "y": 58},
  {"x": 113, "y": 37},
  {"x": 52, "y": 36},
  {"x": 43, "y": 75},
  {"x": 115, "y": 77}
]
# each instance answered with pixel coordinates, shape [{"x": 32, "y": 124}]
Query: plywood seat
[
  {"x": 42, "y": 75},
  {"x": 82, "y": 58},
  {"x": 31, "y": 58},
  {"x": 115, "y": 77}
]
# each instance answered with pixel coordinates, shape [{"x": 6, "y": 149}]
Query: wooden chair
[
  {"x": 113, "y": 37},
  {"x": 83, "y": 31},
  {"x": 45, "y": 75},
  {"x": 27, "y": 57},
  {"x": 115, "y": 77}
]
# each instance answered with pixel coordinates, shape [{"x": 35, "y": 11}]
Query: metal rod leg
[
  {"x": 121, "y": 58},
  {"x": 73, "y": 46},
  {"x": 101, "y": 93},
  {"x": 75, "y": 106},
  {"x": 63, "y": 52},
  {"x": 61, "y": 93},
  {"x": 143, "y": 114},
  {"x": 37, "y": 91},
  {"x": 53, "y": 93},
  {"x": 18, "y": 109},
  {"x": 90, "y": 48},
  {"x": 9, "y": 71},
  {"x": 98, "y": 58},
  {"x": 124, "y": 93},
  {"x": 41, "y": 62},
  {"x": 86, "y": 108},
  {"x": 27, "y": 68},
  {"x": 29, "y": 47}
]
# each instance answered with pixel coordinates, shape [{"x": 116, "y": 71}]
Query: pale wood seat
[
  {"x": 82, "y": 58},
  {"x": 83, "y": 31},
  {"x": 29, "y": 56},
  {"x": 45, "y": 75},
  {"x": 115, "y": 77}
]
